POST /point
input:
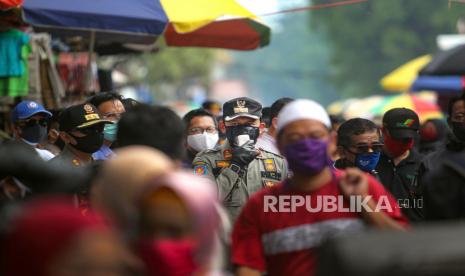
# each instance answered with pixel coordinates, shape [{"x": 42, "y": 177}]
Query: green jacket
[{"x": 235, "y": 189}]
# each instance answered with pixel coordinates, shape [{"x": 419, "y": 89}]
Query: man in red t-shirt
[{"x": 280, "y": 227}]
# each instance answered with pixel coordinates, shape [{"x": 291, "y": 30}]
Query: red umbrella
[{"x": 237, "y": 34}]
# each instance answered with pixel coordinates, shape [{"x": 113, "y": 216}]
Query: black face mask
[
  {"x": 459, "y": 130},
  {"x": 90, "y": 143},
  {"x": 34, "y": 134},
  {"x": 233, "y": 131}
]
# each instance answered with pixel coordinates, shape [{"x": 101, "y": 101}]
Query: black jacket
[
  {"x": 444, "y": 189},
  {"x": 402, "y": 182}
]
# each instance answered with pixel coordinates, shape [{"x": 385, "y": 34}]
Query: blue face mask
[
  {"x": 109, "y": 132},
  {"x": 367, "y": 161}
]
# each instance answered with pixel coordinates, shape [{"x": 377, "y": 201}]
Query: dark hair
[
  {"x": 102, "y": 97},
  {"x": 353, "y": 127},
  {"x": 278, "y": 105},
  {"x": 209, "y": 103},
  {"x": 336, "y": 119},
  {"x": 197, "y": 113},
  {"x": 154, "y": 126},
  {"x": 266, "y": 116},
  {"x": 452, "y": 102},
  {"x": 129, "y": 103}
]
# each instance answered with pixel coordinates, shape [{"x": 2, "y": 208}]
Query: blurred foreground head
[
  {"x": 121, "y": 180},
  {"x": 178, "y": 224},
  {"x": 154, "y": 126},
  {"x": 50, "y": 237}
]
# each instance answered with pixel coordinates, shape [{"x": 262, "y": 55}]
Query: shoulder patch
[
  {"x": 200, "y": 169},
  {"x": 269, "y": 165},
  {"x": 227, "y": 154}
]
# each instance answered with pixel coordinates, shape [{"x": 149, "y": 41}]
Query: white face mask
[{"x": 204, "y": 141}]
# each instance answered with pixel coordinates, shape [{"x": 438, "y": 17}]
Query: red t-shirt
[{"x": 282, "y": 243}]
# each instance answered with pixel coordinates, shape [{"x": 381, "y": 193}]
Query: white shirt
[
  {"x": 44, "y": 154},
  {"x": 268, "y": 143}
]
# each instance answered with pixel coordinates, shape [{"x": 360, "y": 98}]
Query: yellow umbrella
[
  {"x": 402, "y": 78},
  {"x": 190, "y": 15}
]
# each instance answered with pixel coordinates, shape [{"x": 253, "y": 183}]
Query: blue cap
[{"x": 26, "y": 109}]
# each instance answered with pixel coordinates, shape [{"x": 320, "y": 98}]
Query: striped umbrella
[
  {"x": 214, "y": 24},
  {"x": 423, "y": 104}
]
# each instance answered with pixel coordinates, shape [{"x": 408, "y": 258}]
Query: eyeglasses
[
  {"x": 33, "y": 122},
  {"x": 199, "y": 130},
  {"x": 365, "y": 148}
]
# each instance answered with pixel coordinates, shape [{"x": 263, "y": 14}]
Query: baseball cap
[
  {"x": 27, "y": 109},
  {"x": 80, "y": 116},
  {"x": 242, "y": 107},
  {"x": 401, "y": 123},
  {"x": 300, "y": 110}
]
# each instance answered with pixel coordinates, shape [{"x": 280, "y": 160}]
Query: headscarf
[
  {"x": 199, "y": 196},
  {"x": 123, "y": 177},
  {"x": 41, "y": 232}
]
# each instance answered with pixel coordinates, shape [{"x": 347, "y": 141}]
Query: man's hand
[
  {"x": 245, "y": 154},
  {"x": 354, "y": 182}
]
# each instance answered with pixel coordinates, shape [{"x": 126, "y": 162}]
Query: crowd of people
[{"x": 112, "y": 186}]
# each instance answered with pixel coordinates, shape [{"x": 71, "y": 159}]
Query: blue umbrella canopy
[
  {"x": 112, "y": 21},
  {"x": 442, "y": 84}
]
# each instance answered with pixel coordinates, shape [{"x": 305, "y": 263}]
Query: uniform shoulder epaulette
[
  {"x": 272, "y": 153},
  {"x": 208, "y": 151}
]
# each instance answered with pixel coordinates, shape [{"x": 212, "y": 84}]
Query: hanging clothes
[
  {"x": 73, "y": 68},
  {"x": 11, "y": 43},
  {"x": 17, "y": 86},
  {"x": 45, "y": 85}
]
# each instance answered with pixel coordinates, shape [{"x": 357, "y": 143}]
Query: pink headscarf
[{"x": 199, "y": 195}]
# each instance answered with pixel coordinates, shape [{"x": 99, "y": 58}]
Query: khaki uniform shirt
[{"x": 235, "y": 189}]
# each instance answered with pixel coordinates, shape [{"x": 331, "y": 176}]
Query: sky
[{"x": 260, "y": 7}]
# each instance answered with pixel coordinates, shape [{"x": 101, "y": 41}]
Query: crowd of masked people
[{"x": 117, "y": 187}]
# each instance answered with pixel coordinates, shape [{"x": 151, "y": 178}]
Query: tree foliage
[
  {"x": 295, "y": 64},
  {"x": 369, "y": 40},
  {"x": 177, "y": 65}
]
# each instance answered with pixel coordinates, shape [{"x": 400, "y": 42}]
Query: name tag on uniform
[
  {"x": 272, "y": 175},
  {"x": 269, "y": 165}
]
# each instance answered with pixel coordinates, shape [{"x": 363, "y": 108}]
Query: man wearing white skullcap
[{"x": 280, "y": 239}]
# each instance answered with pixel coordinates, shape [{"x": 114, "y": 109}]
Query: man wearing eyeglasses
[
  {"x": 81, "y": 128},
  {"x": 359, "y": 145},
  {"x": 201, "y": 133},
  {"x": 399, "y": 164},
  {"x": 110, "y": 106},
  {"x": 238, "y": 167},
  {"x": 30, "y": 121}
]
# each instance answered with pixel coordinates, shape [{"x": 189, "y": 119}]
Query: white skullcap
[{"x": 302, "y": 109}]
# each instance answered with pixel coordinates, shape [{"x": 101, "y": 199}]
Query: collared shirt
[
  {"x": 104, "y": 153},
  {"x": 234, "y": 188},
  {"x": 268, "y": 143},
  {"x": 402, "y": 182}
]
